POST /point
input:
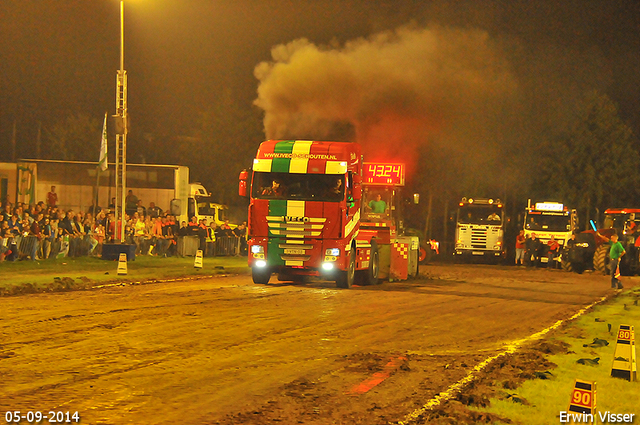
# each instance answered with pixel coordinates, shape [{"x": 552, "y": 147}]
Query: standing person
[
  {"x": 211, "y": 239},
  {"x": 615, "y": 253},
  {"x": 533, "y": 246},
  {"x": 554, "y": 248},
  {"x": 202, "y": 234},
  {"x": 130, "y": 203},
  {"x": 241, "y": 233},
  {"x": 520, "y": 241},
  {"x": 52, "y": 197}
]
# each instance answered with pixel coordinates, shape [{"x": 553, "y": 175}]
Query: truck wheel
[
  {"x": 371, "y": 276},
  {"x": 345, "y": 278},
  {"x": 601, "y": 259},
  {"x": 260, "y": 276},
  {"x": 566, "y": 264}
]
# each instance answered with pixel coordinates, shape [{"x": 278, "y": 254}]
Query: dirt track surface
[{"x": 226, "y": 351}]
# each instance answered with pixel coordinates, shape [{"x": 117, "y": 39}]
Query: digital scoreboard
[{"x": 383, "y": 174}]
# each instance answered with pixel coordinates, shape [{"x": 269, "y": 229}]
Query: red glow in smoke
[{"x": 395, "y": 138}]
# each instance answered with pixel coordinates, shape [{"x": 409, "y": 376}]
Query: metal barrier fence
[
  {"x": 222, "y": 246},
  {"x": 34, "y": 248}
]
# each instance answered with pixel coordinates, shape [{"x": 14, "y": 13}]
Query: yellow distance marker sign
[
  {"x": 624, "y": 358},
  {"x": 197, "y": 262},
  {"x": 122, "y": 264},
  {"x": 583, "y": 398}
]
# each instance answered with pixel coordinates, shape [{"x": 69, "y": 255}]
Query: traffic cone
[
  {"x": 198, "y": 260},
  {"x": 624, "y": 358},
  {"x": 122, "y": 264}
]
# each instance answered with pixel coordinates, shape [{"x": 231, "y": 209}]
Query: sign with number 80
[{"x": 624, "y": 334}]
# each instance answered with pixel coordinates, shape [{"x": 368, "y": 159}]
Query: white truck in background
[
  {"x": 547, "y": 219},
  {"x": 480, "y": 228}
]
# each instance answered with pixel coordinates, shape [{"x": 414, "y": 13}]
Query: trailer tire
[
  {"x": 345, "y": 278},
  {"x": 260, "y": 276},
  {"x": 601, "y": 259},
  {"x": 372, "y": 273}
]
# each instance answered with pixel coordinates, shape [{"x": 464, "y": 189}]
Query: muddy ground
[{"x": 225, "y": 351}]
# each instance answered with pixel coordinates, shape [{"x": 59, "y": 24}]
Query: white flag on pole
[{"x": 103, "y": 147}]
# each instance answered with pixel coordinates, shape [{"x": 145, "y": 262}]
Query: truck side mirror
[
  {"x": 242, "y": 188},
  {"x": 175, "y": 207},
  {"x": 356, "y": 191}
]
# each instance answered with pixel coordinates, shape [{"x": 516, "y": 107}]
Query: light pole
[{"x": 122, "y": 128}]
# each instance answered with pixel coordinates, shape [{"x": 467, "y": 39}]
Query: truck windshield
[
  {"x": 616, "y": 221},
  {"x": 548, "y": 222},
  {"x": 480, "y": 214},
  {"x": 304, "y": 187},
  {"x": 207, "y": 206}
]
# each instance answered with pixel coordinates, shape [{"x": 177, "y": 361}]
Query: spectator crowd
[{"x": 43, "y": 231}]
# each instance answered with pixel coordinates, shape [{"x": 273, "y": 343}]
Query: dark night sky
[{"x": 60, "y": 57}]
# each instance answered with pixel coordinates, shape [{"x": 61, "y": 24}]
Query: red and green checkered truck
[{"x": 306, "y": 216}]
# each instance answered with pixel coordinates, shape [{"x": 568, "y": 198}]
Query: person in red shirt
[
  {"x": 520, "y": 241},
  {"x": 554, "y": 249},
  {"x": 52, "y": 197}
]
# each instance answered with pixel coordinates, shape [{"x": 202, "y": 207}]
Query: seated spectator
[
  {"x": 158, "y": 240},
  {"x": 140, "y": 209},
  {"x": 154, "y": 211},
  {"x": 171, "y": 236},
  {"x": 15, "y": 226},
  {"x": 140, "y": 235},
  {"x": 5, "y": 236}
]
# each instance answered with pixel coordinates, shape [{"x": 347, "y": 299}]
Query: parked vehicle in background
[
  {"x": 625, "y": 223},
  {"x": 547, "y": 219},
  {"x": 480, "y": 229}
]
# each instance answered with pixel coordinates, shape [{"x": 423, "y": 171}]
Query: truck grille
[
  {"x": 479, "y": 238},
  {"x": 306, "y": 227}
]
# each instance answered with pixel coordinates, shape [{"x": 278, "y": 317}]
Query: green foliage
[
  {"x": 595, "y": 163},
  {"x": 77, "y": 138}
]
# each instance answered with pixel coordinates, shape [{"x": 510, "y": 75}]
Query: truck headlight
[
  {"x": 327, "y": 266},
  {"x": 255, "y": 249},
  {"x": 260, "y": 263},
  {"x": 332, "y": 252}
]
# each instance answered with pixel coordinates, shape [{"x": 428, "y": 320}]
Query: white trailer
[{"x": 167, "y": 186}]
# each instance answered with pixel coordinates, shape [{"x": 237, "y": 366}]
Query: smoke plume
[{"x": 390, "y": 92}]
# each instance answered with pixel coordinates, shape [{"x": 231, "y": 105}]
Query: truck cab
[
  {"x": 480, "y": 228},
  {"x": 547, "y": 219},
  {"x": 200, "y": 204}
]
